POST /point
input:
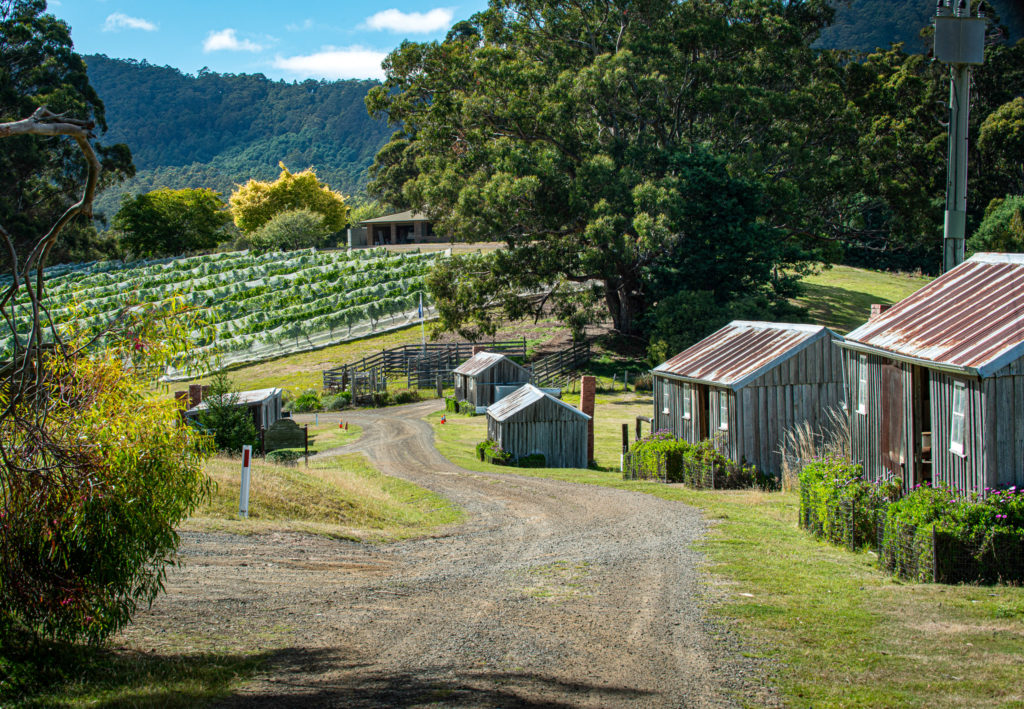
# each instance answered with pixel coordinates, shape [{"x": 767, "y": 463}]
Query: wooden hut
[
  {"x": 263, "y": 404},
  {"x": 476, "y": 378},
  {"x": 936, "y": 381},
  {"x": 530, "y": 421},
  {"x": 748, "y": 383}
]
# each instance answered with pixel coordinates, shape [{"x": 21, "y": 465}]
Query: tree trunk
[{"x": 625, "y": 306}]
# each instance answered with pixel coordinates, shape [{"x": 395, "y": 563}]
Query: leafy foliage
[
  {"x": 255, "y": 203},
  {"x": 289, "y": 231},
  {"x": 1001, "y": 144},
  {"x": 92, "y": 497},
  {"x": 308, "y": 400},
  {"x": 662, "y": 456},
  {"x": 232, "y": 425},
  {"x": 1003, "y": 227},
  {"x": 169, "y": 222}
]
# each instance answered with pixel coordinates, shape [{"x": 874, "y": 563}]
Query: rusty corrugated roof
[
  {"x": 480, "y": 362},
  {"x": 741, "y": 351},
  {"x": 970, "y": 318},
  {"x": 522, "y": 398}
]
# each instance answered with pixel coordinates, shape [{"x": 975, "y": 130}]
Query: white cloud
[
  {"x": 410, "y": 22},
  {"x": 299, "y": 27},
  {"x": 228, "y": 40},
  {"x": 120, "y": 21},
  {"x": 335, "y": 63}
]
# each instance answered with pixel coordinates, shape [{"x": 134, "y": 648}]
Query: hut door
[
  {"x": 701, "y": 411},
  {"x": 892, "y": 419}
]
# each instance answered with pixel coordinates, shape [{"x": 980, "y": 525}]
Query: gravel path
[{"x": 551, "y": 594}]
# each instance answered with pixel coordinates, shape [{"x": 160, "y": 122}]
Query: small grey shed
[
  {"x": 476, "y": 378},
  {"x": 748, "y": 383},
  {"x": 529, "y": 421},
  {"x": 936, "y": 381}
]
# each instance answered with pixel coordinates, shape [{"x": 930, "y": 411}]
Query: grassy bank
[
  {"x": 840, "y": 297},
  {"x": 341, "y": 496},
  {"x": 841, "y": 633}
]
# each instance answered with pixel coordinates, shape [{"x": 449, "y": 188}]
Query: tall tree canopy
[
  {"x": 39, "y": 175},
  {"x": 647, "y": 146},
  {"x": 255, "y": 203},
  {"x": 169, "y": 222}
]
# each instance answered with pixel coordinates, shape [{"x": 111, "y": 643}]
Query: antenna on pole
[{"x": 959, "y": 42}]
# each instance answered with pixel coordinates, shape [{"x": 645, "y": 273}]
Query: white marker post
[{"x": 243, "y": 496}]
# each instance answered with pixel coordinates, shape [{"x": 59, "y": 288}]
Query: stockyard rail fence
[{"x": 422, "y": 365}]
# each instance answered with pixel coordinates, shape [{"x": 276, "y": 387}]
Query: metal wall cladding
[
  {"x": 971, "y": 317},
  {"x": 738, "y": 351}
]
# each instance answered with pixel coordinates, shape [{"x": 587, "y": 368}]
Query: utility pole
[{"x": 959, "y": 42}]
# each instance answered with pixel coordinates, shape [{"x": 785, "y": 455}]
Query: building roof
[
  {"x": 246, "y": 398},
  {"x": 969, "y": 319},
  {"x": 741, "y": 352},
  {"x": 523, "y": 398},
  {"x": 481, "y": 362},
  {"x": 406, "y": 216}
]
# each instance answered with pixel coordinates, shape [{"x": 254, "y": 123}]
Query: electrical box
[{"x": 960, "y": 40}]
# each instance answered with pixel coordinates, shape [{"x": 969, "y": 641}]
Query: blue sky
[{"x": 282, "y": 40}]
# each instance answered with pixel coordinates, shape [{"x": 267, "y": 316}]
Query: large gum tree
[{"x": 628, "y": 150}]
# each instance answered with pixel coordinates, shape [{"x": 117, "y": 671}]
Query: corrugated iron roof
[
  {"x": 741, "y": 351},
  {"x": 246, "y": 398},
  {"x": 970, "y": 318},
  {"x": 522, "y": 398},
  {"x": 480, "y": 362}
]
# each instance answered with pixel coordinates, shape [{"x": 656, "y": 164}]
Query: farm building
[
  {"x": 477, "y": 377},
  {"x": 529, "y": 421},
  {"x": 936, "y": 381},
  {"x": 263, "y": 404},
  {"x": 407, "y": 227},
  {"x": 748, "y": 383}
]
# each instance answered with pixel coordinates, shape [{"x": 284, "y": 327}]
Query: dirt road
[{"x": 551, "y": 594}]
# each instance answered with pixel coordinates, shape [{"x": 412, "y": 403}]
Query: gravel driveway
[{"x": 551, "y": 594}]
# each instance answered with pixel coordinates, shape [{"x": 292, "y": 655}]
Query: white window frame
[
  {"x": 862, "y": 385},
  {"x": 723, "y": 410},
  {"x": 665, "y": 389},
  {"x": 957, "y": 419},
  {"x": 687, "y": 402}
]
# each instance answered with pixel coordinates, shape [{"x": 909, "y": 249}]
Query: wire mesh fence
[{"x": 914, "y": 552}]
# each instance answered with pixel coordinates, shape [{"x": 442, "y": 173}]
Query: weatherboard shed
[
  {"x": 936, "y": 381},
  {"x": 530, "y": 421},
  {"x": 747, "y": 384},
  {"x": 477, "y": 377}
]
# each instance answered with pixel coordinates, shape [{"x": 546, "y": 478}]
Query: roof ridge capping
[
  {"x": 996, "y": 257},
  {"x": 768, "y": 325}
]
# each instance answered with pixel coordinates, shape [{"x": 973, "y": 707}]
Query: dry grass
[
  {"x": 341, "y": 496},
  {"x": 803, "y": 443}
]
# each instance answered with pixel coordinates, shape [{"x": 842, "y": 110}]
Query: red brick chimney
[
  {"x": 195, "y": 395},
  {"x": 588, "y": 385},
  {"x": 877, "y": 309},
  {"x": 479, "y": 348},
  {"x": 181, "y": 397}
]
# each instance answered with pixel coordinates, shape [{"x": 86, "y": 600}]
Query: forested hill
[
  {"x": 216, "y": 130},
  {"x": 867, "y": 24}
]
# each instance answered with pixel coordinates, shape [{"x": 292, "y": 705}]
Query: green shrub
[
  {"x": 308, "y": 400},
  {"x": 451, "y": 405},
  {"x": 381, "y": 398},
  {"x": 291, "y": 230},
  {"x": 466, "y": 408},
  {"x": 406, "y": 396},
  {"x": 337, "y": 402},
  {"x": 231, "y": 424},
  {"x": 644, "y": 382},
  {"x": 493, "y": 453},
  {"x": 534, "y": 460},
  {"x": 661, "y": 456},
  {"x": 837, "y": 504},
  {"x": 285, "y": 456}
]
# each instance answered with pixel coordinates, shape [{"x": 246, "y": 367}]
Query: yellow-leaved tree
[{"x": 255, "y": 203}]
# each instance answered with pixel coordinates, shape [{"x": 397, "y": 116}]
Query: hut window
[
  {"x": 956, "y": 433},
  {"x": 687, "y": 401},
  {"x": 862, "y": 385},
  {"x": 664, "y": 397},
  {"x": 723, "y": 411}
]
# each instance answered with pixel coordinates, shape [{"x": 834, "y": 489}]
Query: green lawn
[
  {"x": 840, "y": 297},
  {"x": 841, "y": 633}
]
